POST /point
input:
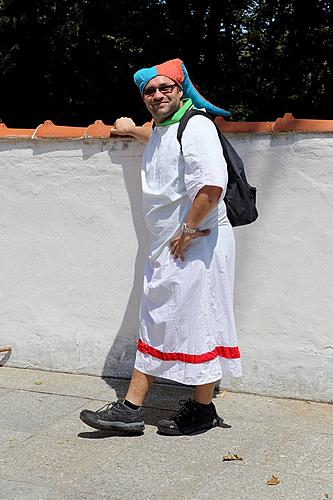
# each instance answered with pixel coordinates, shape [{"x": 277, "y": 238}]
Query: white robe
[{"x": 187, "y": 327}]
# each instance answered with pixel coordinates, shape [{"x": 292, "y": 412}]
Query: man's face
[{"x": 162, "y": 105}]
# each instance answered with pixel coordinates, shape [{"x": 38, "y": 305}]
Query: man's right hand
[
  {"x": 126, "y": 126},
  {"x": 123, "y": 126}
]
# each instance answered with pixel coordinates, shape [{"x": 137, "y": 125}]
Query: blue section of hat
[
  {"x": 198, "y": 100},
  {"x": 142, "y": 77}
]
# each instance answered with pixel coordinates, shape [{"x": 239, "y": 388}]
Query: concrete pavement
[{"x": 46, "y": 452}]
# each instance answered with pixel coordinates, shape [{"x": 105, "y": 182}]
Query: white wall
[{"x": 73, "y": 242}]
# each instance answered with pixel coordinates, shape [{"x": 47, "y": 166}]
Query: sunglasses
[{"x": 164, "y": 89}]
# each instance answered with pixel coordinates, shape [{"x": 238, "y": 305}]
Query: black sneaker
[
  {"x": 191, "y": 418},
  {"x": 114, "y": 416}
]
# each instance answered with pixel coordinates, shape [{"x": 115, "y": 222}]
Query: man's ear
[{"x": 181, "y": 93}]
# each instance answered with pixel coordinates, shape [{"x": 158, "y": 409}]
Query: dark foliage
[{"x": 73, "y": 62}]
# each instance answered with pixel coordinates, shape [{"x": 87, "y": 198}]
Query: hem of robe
[{"x": 188, "y": 373}]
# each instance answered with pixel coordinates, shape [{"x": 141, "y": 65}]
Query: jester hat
[{"x": 176, "y": 71}]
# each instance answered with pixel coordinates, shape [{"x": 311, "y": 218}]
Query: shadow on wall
[{"x": 120, "y": 359}]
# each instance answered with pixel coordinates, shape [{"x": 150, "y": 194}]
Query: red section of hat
[{"x": 172, "y": 69}]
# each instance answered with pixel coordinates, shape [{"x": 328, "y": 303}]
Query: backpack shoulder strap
[
  {"x": 185, "y": 119},
  {"x": 235, "y": 164}
]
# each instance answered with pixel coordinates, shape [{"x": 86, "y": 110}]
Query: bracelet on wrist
[{"x": 188, "y": 230}]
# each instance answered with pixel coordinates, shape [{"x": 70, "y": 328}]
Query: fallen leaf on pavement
[
  {"x": 230, "y": 456},
  {"x": 38, "y": 383},
  {"x": 274, "y": 480}
]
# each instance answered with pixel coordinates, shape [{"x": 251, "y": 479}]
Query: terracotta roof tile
[
  {"x": 49, "y": 130},
  {"x": 99, "y": 130},
  {"x": 290, "y": 124},
  {"x": 243, "y": 127},
  {"x": 15, "y": 132}
]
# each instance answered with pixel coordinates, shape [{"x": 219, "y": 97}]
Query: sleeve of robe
[{"x": 203, "y": 156}]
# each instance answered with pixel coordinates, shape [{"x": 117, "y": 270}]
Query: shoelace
[
  {"x": 107, "y": 407},
  {"x": 185, "y": 409}
]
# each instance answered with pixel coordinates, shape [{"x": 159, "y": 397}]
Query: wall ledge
[
  {"x": 286, "y": 124},
  {"x": 99, "y": 130}
]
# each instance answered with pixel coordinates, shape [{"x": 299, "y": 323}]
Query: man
[{"x": 187, "y": 329}]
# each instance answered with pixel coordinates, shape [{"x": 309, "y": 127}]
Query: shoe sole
[
  {"x": 116, "y": 426},
  {"x": 175, "y": 432}
]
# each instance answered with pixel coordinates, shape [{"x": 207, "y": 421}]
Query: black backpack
[{"x": 240, "y": 197}]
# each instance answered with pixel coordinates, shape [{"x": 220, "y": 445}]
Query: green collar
[{"x": 176, "y": 117}]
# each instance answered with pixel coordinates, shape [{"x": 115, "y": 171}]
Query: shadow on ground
[{"x": 5, "y": 354}]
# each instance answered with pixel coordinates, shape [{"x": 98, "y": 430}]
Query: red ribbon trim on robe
[{"x": 224, "y": 352}]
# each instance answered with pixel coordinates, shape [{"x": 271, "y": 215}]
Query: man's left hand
[{"x": 179, "y": 244}]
